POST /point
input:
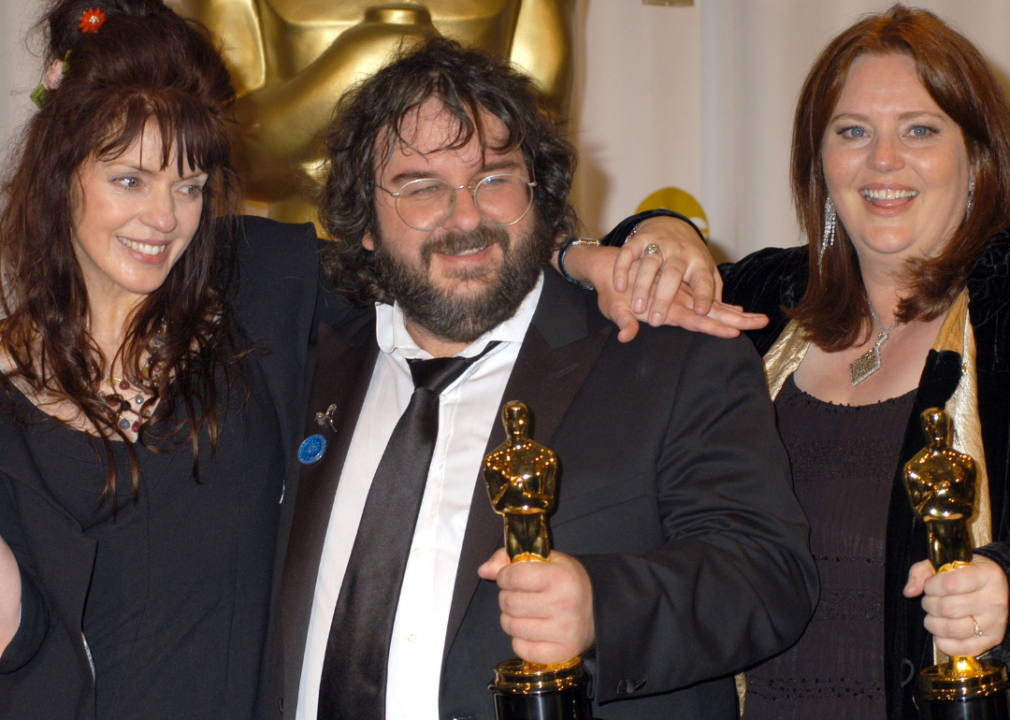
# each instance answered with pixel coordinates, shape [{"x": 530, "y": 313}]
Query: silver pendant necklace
[{"x": 869, "y": 362}]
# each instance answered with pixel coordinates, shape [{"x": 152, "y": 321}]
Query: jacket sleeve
[
  {"x": 731, "y": 581},
  {"x": 282, "y": 289},
  {"x": 277, "y": 282},
  {"x": 617, "y": 236},
  {"x": 34, "y": 612},
  {"x": 761, "y": 282},
  {"x": 999, "y": 553},
  {"x": 767, "y": 281}
]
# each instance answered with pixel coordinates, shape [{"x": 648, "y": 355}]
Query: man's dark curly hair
[{"x": 367, "y": 126}]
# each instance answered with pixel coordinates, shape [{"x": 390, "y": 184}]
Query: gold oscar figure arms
[
  {"x": 521, "y": 476},
  {"x": 292, "y": 59},
  {"x": 941, "y": 486}
]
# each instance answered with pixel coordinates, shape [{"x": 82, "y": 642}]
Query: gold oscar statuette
[
  {"x": 941, "y": 486},
  {"x": 521, "y": 478}
]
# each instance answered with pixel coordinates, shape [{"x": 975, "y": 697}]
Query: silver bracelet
[{"x": 568, "y": 245}]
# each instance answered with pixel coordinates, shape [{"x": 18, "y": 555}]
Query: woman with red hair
[{"x": 899, "y": 301}]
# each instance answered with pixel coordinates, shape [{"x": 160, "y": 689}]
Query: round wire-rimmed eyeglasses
[{"x": 427, "y": 203}]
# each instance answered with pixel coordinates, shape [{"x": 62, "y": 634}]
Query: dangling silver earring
[
  {"x": 971, "y": 200},
  {"x": 830, "y": 224}
]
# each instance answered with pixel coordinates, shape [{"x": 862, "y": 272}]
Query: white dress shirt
[{"x": 468, "y": 410}]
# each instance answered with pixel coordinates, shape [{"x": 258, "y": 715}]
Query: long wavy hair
[
  {"x": 834, "y": 311},
  {"x": 367, "y": 126},
  {"x": 146, "y": 69}
]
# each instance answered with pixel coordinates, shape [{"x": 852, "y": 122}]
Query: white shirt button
[{"x": 412, "y": 638}]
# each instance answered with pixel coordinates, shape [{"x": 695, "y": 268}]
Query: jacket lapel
[
  {"x": 559, "y": 348},
  {"x": 342, "y": 376}
]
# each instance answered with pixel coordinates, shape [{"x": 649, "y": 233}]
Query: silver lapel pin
[{"x": 326, "y": 418}]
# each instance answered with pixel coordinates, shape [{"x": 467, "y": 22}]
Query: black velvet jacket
[{"x": 771, "y": 280}]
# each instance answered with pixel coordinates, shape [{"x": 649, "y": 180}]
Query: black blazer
[{"x": 674, "y": 493}]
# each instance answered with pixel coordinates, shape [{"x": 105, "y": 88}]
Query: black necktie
[{"x": 353, "y": 683}]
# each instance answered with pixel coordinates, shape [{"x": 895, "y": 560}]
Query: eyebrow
[
  {"x": 504, "y": 165},
  {"x": 488, "y": 169},
  {"x": 910, "y": 115},
  {"x": 147, "y": 171}
]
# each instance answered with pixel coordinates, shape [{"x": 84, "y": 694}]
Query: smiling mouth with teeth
[
  {"x": 468, "y": 251},
  {"x": 142, "y": 247},
  {"x": 872, "y": 195}
]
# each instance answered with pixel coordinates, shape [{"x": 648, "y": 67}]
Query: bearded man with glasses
[{"x": 681, "y": 552}]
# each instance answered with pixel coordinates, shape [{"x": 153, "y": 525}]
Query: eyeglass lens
[{"x": 501, "y": 199}]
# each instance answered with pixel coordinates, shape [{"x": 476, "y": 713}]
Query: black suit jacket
[{"x": 674, "y": 492}]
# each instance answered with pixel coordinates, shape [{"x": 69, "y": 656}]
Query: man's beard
[{"x": 465, "y": 315}]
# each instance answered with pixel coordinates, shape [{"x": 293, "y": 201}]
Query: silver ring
[
  {"x": 651, "y": 249},
  {"x": 978, "y": 630}
]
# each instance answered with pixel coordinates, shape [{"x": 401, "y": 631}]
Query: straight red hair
[{"x": 834, "y": 311}]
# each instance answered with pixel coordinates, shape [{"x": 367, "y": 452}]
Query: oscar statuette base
[
  {"x": 982, "y": 697},
  {"x": 527, "y": 691}
]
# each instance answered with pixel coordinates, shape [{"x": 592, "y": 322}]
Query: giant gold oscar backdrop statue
[
  {"x": 521, "y": 478},
  {"x": 292, "y": 59},
  {"x": 941, "y": 486}
]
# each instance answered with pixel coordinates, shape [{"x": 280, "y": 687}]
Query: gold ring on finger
[{"x": 651, "y": 249}]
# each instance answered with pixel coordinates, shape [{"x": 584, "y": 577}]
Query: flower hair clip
[
  {"x": 40, "y": 94},
  {"x": 92, "y": 20}
]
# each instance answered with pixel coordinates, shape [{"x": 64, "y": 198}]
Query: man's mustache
[{"x": 454, "y": 243}]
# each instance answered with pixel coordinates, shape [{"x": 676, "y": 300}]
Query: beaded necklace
[
  {"x": 122, "y": 410},
  {"x": 120, "y": 407}
]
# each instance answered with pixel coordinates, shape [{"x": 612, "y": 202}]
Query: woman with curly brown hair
[{"x": 143, "y": 441}]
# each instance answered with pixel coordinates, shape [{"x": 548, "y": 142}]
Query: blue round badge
[{"x": 311, "y": 450}]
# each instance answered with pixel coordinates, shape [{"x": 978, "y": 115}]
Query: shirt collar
[{"x": 392, "y": 335}]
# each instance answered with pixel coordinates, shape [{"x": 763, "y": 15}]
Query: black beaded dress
[{"x": 843, "y": 461}]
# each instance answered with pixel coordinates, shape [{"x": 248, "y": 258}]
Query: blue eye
[
  {"x": 854, "y": 132},
  {"x": 921, "y": 131}
]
